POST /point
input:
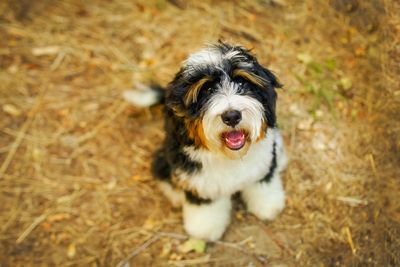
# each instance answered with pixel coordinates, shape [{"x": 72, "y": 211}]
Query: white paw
[
  {"x": 269, "y": 208},
  {"x": 265, "y": 200},
  {"x": 207, "y": 221}
]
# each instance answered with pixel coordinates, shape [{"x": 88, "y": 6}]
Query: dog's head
[{"x": 225, "y": 98}]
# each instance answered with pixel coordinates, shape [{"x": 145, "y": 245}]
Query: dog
[{"x": 221, "y": 138}]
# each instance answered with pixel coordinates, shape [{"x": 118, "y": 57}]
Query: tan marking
[
  {"x": 193, "y": 91},
  {"x": 251, "y": 77},
  {"x": 178, "y": 112},
  {"x": 184, "y": 185},
  {"x": 196, "y": 132},
  {"x": 263, "y": 131}
]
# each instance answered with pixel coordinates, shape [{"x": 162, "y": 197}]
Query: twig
[
  {"x": 15, "y": 146},
  {"x": 350, "y": 240},
  {"x": 244, "y": 241},
  {"x": 57, "y": 62},
  {"x": 18, "y": 140},
  {"x": 173, "y": 235},
  {"x": 352, "y": 201},
  {"x": 373, "y": 165},
  {"x": 139, "y": 249},
  {"x": 30, "y": 228}
]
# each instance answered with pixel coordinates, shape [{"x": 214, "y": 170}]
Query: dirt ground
[{"x": 75, "y": 186}]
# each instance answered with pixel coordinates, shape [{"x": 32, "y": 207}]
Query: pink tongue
[{"x": 234, "y": 139}]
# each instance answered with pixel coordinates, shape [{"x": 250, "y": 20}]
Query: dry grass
[{"x": 74, "y": 158}]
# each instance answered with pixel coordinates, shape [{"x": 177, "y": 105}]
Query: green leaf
[{"x": 193, "y": 244}]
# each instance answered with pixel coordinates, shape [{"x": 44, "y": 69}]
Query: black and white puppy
[{"x": 221, "y": 138}]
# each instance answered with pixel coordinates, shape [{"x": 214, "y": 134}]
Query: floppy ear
[
  {"x": 268, "y": 96},
  {"x": 182, "y": 94},
  {"x": 271, "y": 78},
  {"x": 175, "y": 93}
]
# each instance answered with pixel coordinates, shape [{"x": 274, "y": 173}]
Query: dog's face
[{"x": 225, "y": 99}]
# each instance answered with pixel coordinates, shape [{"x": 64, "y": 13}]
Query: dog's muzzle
[
  {"x": 231, "y": 117},
  {"x": 234, "y": 139}
]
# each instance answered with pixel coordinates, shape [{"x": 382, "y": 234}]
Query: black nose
[{"x": 231, "y": 117}]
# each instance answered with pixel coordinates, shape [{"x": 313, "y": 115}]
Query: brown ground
[{"x": 74, "y": 158}]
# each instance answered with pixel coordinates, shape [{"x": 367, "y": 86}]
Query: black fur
[
  {"x": 171, "y": 156},
  {"x": 160, "y": 166},
  {"x": 272, "y": 167},
  {"x": 191, "y": 198},
  {"x": 267, "y": 97}
]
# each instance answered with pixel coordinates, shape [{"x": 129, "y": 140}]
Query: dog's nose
[{"x": 231, "y": 117}]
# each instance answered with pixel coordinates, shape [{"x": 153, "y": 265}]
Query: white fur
[
  {"x": 175, "y": 196},
  {"x": 213, "y": 56},
  {"x": 205, "y": 56},
  {"x": 222, "y": 176},
  {"x": 207, "y": 221},
  {"x": 265, "y": 200},
  {"x": 226, "y": 99},
  {"x": 282, "y": 159},
  {"x": 141, "y": 96}
]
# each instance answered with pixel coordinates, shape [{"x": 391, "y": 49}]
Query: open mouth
[{"x": 234, "y": 140}]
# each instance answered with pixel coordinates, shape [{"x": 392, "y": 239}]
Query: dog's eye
[
  {"x": 208, "y": 87},
  {"x": 242, "y": 84},
  {"x": 240, "y": 81}
]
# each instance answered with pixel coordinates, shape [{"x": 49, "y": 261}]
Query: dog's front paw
[
  {"x": 269, "y": 208},
  {"x": 265, "y": 200},
  {"x": 207, "y": 221}
]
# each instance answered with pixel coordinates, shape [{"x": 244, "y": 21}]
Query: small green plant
[{"x": 322, "y": 82}]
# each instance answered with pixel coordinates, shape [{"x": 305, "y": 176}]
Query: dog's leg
[
  {"x": 265, "y": 199},
  {"x": 162, "y": 172},
  {"x": 206, "y": 219},
  {"x": 174, "y": 195}
]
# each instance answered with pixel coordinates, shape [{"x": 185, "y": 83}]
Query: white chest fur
[{"x": 221, "y": 176}]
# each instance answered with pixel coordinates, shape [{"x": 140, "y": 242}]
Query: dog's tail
[{"x": 144, "y": 95}]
